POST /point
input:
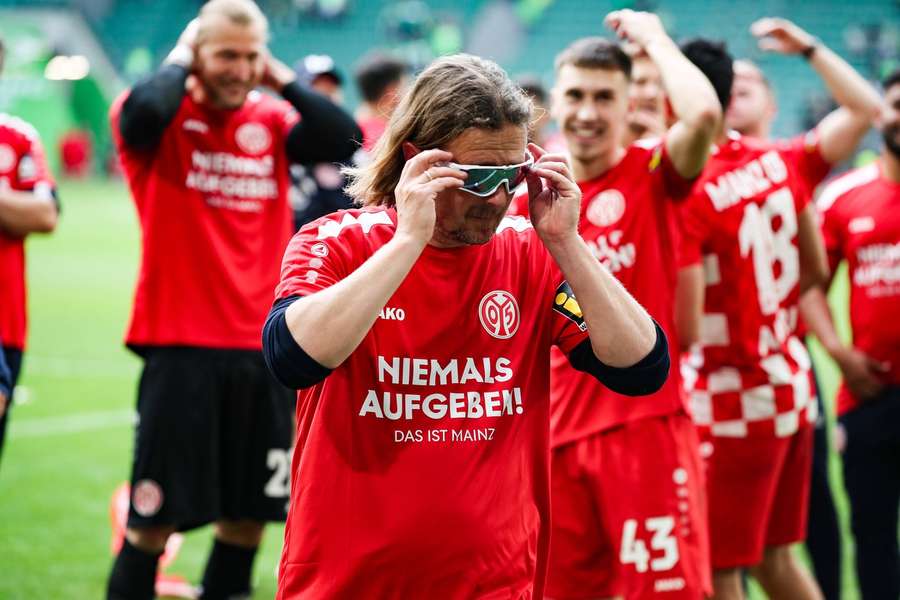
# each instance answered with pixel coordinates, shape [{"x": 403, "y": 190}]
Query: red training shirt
[
  {"x": 422, "y": 462},
  {"x": 212, "y": 202},
  {"x": 750, "y": 375},
  {"x": 23, "y": 168},
  {"x": 861, "y": 223},
  {"x": 628, "y": 220},
  {"x": 372, "y": 130}
]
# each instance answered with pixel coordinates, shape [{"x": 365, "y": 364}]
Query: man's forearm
[
  {"x": 22, "y": 213},
  {"x": 330, "y": 324},
  {"x": 692, "y": 97},
  {"x": 848, "y": 88},
  {"x": 814, "y": 269},
  {"x": 694, "y": 103},
  {"x": 621, "y": 331},
  {"x": 817, "y": 315}
]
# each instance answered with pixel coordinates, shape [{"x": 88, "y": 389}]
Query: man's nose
[
  {"x": 499, "y": 198},
  {"x": 243, "y": 70},
  {"x": 586, "y": 112}
]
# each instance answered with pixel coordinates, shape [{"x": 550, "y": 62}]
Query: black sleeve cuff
[
  {"x": 287, "y": 361},
  {"x": 640, "y": 379},
  {"x": 5, "y": 377}
]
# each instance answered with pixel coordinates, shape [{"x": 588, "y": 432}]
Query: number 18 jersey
[{"x": 749, "y": 375}]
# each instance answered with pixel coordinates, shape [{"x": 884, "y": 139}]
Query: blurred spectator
[
  {"x": 540, "y": 117},
  {"x": 407, "y": 21},
  {"x": 317, "y": 190},
  {"x": 326, "y": 9},
  {"x": 76, "y": 152},
  {"x": 648, "y": 115},
  {"x": 381, "y": 80},
  {"x": 319, "y": 72}
]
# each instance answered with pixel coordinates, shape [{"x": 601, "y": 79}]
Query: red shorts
[
  {"x": 629, "y": 514},
  {"x": 758, "y": 492}
]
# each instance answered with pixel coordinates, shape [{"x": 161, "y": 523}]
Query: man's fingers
[
  {"x": 555, "y": 157},
  {"x": 877, "y": 365},
  {"x": 613, "y": 19},
  {"x": 440, "y": 184},
  {"x": 864, "y": 383},
  {"x": 189, "y": 35},
  {"x": 762, "y": 27},
  {"x": 424, "y": 160},
  {"x": 632, "y": 49},
  {"x": 536, "y": 151},
  {"x": 435, "y": 172},
  {"x": 768, "y": 44},
  {"x": 559, "y": 180},
  {"x": 535, "y": 185},
  {"x": 557, "y": 167},
  {"x": 869, "y": 389}
]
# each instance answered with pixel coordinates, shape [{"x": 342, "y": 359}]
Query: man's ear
[{"x": 409, "y": 150}]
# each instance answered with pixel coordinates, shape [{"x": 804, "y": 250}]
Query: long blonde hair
[{"x": 453, "y": 94}]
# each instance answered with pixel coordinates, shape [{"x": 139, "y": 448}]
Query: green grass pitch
[{"x": 70, "y": 436}]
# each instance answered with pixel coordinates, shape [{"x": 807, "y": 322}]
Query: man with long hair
[{"x": 418, "y": 330}]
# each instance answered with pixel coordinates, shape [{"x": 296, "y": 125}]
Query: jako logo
[
  {"x": 669, "y": 585},
  {"x": 392, "y": 314}
]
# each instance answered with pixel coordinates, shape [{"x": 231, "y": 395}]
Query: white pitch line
[
  {"x": 60, "y": 366},
  {"x": 78, "y": 423}
]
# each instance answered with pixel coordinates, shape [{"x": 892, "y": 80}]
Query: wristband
[{"x": 810, "y": 50}]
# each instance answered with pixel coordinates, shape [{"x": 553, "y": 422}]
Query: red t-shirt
[
  {"x": 628, "y": 221},
  {"x": 372, "y": 130},
  {"x": 749, "y": 375},
  {"x": 422, "y": 462},
  {"x": 212, "y": 199},
  {"x": 861, "y": 223},
  {"x": 23, "y": 167}
]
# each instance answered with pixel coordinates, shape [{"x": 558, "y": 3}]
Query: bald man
[{"x": 206, "y": 158}]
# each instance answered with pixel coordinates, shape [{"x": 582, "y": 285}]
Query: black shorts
[
  {"x": 213, "y": 439},
  {"x": 14, "y": 362}
]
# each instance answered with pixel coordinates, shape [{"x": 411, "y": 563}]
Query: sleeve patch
[
  {"x": 655, "y": 159},
  {"x": 27, "y": 168},
  {"x": 564, "y": 303}
]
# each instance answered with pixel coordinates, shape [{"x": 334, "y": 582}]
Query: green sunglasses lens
[{"x": 484, "y": 182}]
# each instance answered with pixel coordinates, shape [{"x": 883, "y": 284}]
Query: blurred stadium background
[{"x": 66, "y": 60}]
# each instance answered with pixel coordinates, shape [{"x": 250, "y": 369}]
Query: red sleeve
[
  {"x": 833, "y": 228},
  {"x": 312, "y": 263},
  {"x": 567, "y": 326},
  {"x": 32, "y": 172},
  {"x": 805, "y": 156},
  {"x": 663, "y": 169},
  {"x": 693, "y": 226},
  {"x": 132, "y": 161},
  {"x": 285, "y": 118}
]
